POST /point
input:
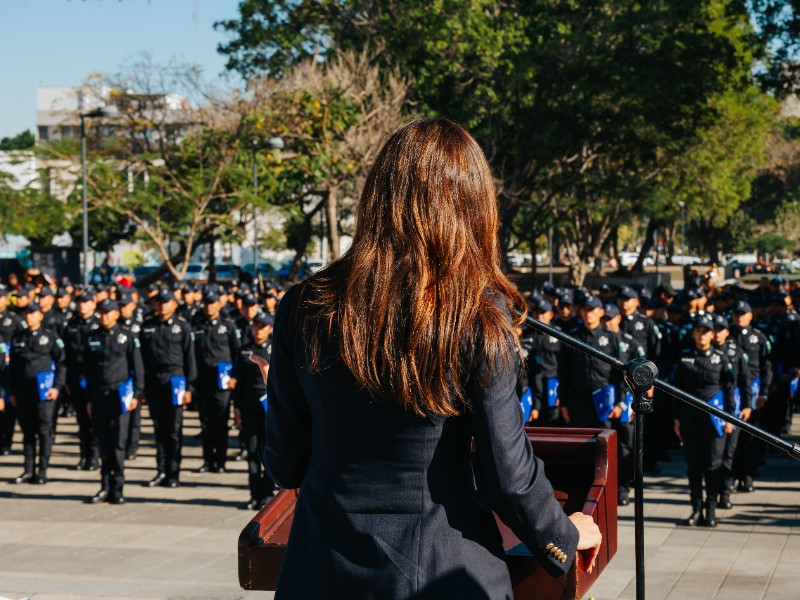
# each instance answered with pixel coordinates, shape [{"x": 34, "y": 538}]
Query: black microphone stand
[{"x": 640, "y": 375}]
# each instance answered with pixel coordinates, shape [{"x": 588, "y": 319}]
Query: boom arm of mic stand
[{"x": 792, "y": 450}]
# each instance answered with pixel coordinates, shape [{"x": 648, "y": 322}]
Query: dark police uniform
[
  {"x": 542, "y": 362},
  {"x": 133, "y": 326},
  {"x": 113, "y": 358},
  {"x": 758, "y": 350},
  {"x": 215, "y": 341},
  {"x": 629, "y": 348},
  {"x": 167, "y": 350},
  {"x": 581, "y": 375},
  {"x": 703, "y": 373},
  {"x": 10, "y": 325},
  {"x": 75, "y": 334},
  {"x": 33, "y": 353},
  {"x": 741, "y": 372},
  {"x": 250, "y": 389}
]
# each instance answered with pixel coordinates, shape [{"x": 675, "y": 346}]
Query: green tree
[
  {"x": 575, "y": 103},
  {"x": 21, "y": 141}
]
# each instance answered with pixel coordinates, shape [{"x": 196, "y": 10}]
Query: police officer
[
  {"x": 10, "y": 324},
  {"x": 53, "y": 318},
  {"x": 37, "y": 375},
  {"x": 629, "y": 348},
  {"x": 75, "y": 340},
  {"x": 648, "y": 336},
  {"x": 115, "y": 378},
  {"x": 216, "y": 343},
  {"x": 742, "y": 394},
  {"x": 543, "y": 382},
  {"x": 250, "y": 404},
  {"x": 170, "y": 371},
  {"x": 586, "y": 383},
  {"x": 248, "y": 313},
  {"x": 758, "y": 350},
  {"x": 130, "y": 320},
  {"x": 705, "y": 372},
  {"x": 565, "y": 319}
]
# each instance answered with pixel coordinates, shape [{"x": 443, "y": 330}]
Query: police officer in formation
[
  {"x": 707, "y": 373},
  {"x": 216, "y": 343},
  {"x": 36, "y": 378},
  {"x": 10, "y": 324},
  {"x": 542, "y": 368},
  {"x": 75, "y": 334},
  {"x": 115, "y": 381},
  {"x": 742, "y": 400},
  {"x": 170, "y": 371},
  {"x": 250, "y": 404},
  {"x": 130, "y": 319}
]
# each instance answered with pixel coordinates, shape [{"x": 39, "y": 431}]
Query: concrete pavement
[{"x": 181, "y": 544}]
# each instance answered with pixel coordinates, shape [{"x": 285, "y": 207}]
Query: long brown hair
[{"x": 420, "y": 288}]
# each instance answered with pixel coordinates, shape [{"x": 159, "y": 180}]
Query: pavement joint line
[
  {"x": 743, "y": 539},
  {"x": 100, "y": 578},
  {"x": 775, "y": 566}
]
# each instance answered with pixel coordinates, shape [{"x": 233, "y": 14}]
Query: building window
[{"x": 43, "y": 133}]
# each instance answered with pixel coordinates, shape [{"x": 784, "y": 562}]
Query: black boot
[
  {"x": 725, "y": 500},
  {"x": 711, "y": 515},
  {"x": 695, "y": 518}
]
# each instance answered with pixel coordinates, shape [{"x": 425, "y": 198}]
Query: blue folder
[
  {"x": 178, "y": 385},
  {"x": 125, "y": 395},
  {"x": 527, "y": 405},
  {"x": 755, "y": 391},
  {"x": 737, "y": 400},
  {"x": 603, "y": 401},
  {"x": 552, "y": 391},
  {"x": 44, "y": 381},
  {"x": 719, "y": 424},
  {"x": 264, "y": 402},
  {"x": 794, "y": 383},
  {"x": 627, "y": 408},
  {"x": 223, "y": 374}
]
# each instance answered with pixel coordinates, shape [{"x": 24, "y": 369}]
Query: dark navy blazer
[{"x": 390, "y": 505}]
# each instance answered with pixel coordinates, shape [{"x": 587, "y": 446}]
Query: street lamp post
[
  {"x": 274, "y": 143},
  {"x": 683, "y": 225},
  {"x": 103, "y": 111}
]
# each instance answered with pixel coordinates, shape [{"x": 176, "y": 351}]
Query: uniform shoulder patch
[
  {"x": 59, "y": 344},
  {"x": 136, "y": 343}
]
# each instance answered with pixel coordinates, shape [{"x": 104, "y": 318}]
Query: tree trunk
[
  {"x": 212, "y": 260},
  {"x": 304, "y": 236},
  {"x": 332, "y": 218},
  {"x": 638, "y": 267}
]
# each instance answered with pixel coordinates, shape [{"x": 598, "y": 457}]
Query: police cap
[
  {"x": 264, "y": 318},
  {"x": 720, "y": 321},
  {"x": 592, "y": 302},
  {"x": 703, "y": 321},
  {"x": 108, "y": 305}
]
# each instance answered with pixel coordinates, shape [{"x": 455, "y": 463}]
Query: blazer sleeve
[
  {"x": 511, "y": 479},
  {"x": 287, "y": 447}
]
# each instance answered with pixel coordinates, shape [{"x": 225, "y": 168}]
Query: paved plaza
[{"x": 181, "y": 543}]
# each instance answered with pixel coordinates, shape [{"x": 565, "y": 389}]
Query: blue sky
[{"x": 59, "y": 42}]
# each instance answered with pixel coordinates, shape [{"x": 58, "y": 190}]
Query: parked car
[
  {"x": 196, "y": 273},
  {"x": 303, "y": 270},
  {"x": 267, "y": 269},
  {"x": 683, "y": 259},
  {"x": 109, "y": 274},
  {"x": 228, "y": 272},
  {"x": 144, "y": 270},
  {"x": 315, "y": 265},
  {"x": 628, "y": 259}
]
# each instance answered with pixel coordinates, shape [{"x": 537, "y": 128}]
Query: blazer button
[{"x": 549, "y": 546}]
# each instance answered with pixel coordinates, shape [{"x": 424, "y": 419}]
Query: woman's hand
[
  {"x": 589, "y": 538},
  {"x": 262, "y": 364}
]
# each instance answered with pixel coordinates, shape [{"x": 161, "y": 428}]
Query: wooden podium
[{"x": 580, "y": 463}]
